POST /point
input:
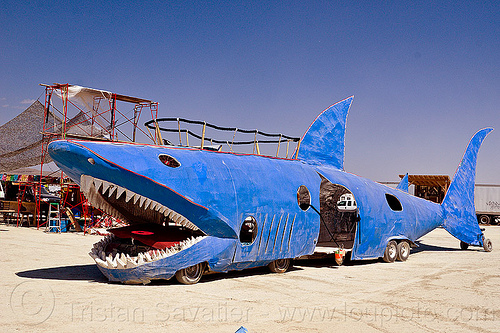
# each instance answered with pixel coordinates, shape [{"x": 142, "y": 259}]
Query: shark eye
[{"x": 169, "y": 161}]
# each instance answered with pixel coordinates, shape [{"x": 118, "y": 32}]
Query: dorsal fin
[
  {"x": 403, "y": 184},
  {"x": 323, "y": 142}
]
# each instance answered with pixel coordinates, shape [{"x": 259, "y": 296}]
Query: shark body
[{"x": 191, "y": 210}]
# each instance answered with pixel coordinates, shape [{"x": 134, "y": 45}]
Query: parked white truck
[{"x": 487, "y": 201}]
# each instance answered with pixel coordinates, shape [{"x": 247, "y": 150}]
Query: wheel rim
[
  {"x": 281, "y": 263},
  {"x": 192, "y": 272},
  {"x": 392, "y": 251},
  {"x": 404, "y": 250},
  {"x": 484, "y": 219}
]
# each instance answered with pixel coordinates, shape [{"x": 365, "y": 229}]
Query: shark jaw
[{"x": 155, "y": 232}]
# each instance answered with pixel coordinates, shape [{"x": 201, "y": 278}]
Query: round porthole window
[
  {"x": 303, "y": 197},
  {"x": 248, "y": 231}
]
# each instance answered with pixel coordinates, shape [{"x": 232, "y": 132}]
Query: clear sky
[{"x": 425, "y": 75}]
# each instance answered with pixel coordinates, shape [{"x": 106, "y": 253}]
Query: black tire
[
  {"x": 464, "y": 245},
  {"x": 403, "y": 251},
  {"x": 279, "y": 265},
  {"x": 190, "y": 275},
  {"x": 484, "y": 219},
  {"x": 391, "y": 252},
  {"x": 487, "y": 245}
]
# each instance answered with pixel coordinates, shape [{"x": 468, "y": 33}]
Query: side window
[
  {"x": 248, "y": 231},
  {"x": 303, "y": 197},
  {"x": 393, "y": 202}
]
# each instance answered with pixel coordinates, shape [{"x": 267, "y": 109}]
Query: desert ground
[{"x": 49, "y": 283}]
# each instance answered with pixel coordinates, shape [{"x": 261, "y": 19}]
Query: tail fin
[
  {"x": 458, "y": 205},
  {"x": 323, "y": 142}
]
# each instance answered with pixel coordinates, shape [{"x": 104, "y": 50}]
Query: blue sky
[{"x": 425, "y": 75}]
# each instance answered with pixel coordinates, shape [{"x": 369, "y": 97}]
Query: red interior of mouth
[{"x": 153, "y": 235}]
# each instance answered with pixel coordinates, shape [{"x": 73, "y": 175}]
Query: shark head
[{"x": 175, "y": 218}]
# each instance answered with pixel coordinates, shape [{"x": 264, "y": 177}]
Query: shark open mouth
[{"x": 155, "y": 231}]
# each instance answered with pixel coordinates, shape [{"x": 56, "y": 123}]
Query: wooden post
[{"x": 203, "y": 135}]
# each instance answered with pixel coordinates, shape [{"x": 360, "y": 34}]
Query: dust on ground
[{"x": 49, "y": 283}]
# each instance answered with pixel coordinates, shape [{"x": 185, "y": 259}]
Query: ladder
[{"x": 54, "y": 217}]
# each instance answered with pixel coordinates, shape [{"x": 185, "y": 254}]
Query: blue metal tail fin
[
  {"x": 458, "y": 205},
  {"x": 323, "y": 142}
]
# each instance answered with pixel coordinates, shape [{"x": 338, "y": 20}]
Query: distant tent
[{"x": 21, "y": 138}]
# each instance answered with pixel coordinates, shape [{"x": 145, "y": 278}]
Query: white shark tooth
[
  {"x": 101, "y": 262},
  {"x": 112, "y": 189},
  {"x": 129, "y": 195},
  {"x": 105, "y": 186},
  {"x": 85, "y": 183},
  {"x": 137, "y": 197},
  {"x": 132, "y": 260},
  {"x": 141, "y": 201},
  {"x": 119, "y": 191},
  {"x": 162, "y": 209},
  {"x": 111, "y": 261},
  {"x": 97, "y": 184},
  {"x": 178, "y": 219},
  {"x": 183, "y": 221},
  {"x": 121, "y": 264},
  {"x": 131, "y": 263},
  {"x": 155, "y": 255},
  {"x": 148, "y": 256},
  {"x": 153, "y": 205},
  {"x": 140, "y": 259},
  {"x": 147, "y": 202}
]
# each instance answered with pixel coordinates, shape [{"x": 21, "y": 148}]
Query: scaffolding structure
[{"x": 74, "y": 112}]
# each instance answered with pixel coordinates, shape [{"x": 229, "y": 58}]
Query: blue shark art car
[{"x": 191, "y": 210}]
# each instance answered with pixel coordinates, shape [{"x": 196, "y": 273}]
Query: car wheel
[
  {"x": 279, "y": 265},
  {"x": 403, "y": 251},
  {"x": 190, "y": 275},
  {"x": 391, "y": 251}
]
